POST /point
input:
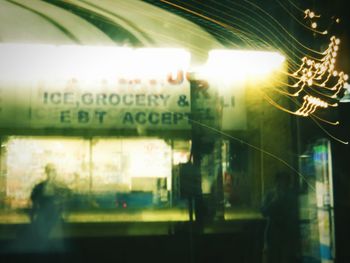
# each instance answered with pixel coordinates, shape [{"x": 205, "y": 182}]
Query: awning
[{"x": 101, "y": 22}]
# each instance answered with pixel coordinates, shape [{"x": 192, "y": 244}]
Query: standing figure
[
  {"x": 47, "y": 203},
  {"x": 281, "y": 210}
]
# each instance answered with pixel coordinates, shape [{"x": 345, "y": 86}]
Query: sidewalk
[
  {"x": 127, "y": 215},
  {"x": 127, "y": 222}
]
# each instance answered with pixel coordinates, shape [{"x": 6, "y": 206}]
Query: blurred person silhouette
[
  {"x": 281, "y": 211},
  {"x": 46, "y": 213}
]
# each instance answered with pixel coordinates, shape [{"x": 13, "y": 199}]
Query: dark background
[{"x": 309, "y": 131}]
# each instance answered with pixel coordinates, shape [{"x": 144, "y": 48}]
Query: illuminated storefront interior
[
  {"x": 151, "y": 125},
  {"x": 97, "y": 169},
  {"x": 71, "y": 101}
]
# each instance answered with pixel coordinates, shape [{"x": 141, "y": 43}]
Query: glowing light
[
  {"x": 35, "y": 62},
  {"x": 310, "y": 105},
  {"x": 310, "y": 14},
  {"x": 314, "y": 74},
  {"x": 238, "y": 65},
  {"x": 150, "y": 62},
  {"x": 318, "y": 77}
]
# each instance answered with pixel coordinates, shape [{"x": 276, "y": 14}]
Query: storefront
[
  {"x": 111, "y": 133},
  {"x": 74, "y": 120},
  {"x": 116, "y": 121}
]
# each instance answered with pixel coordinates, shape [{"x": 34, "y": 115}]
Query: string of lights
[{"x": 313, "y": 80}]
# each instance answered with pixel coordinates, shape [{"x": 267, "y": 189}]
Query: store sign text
[
  {"x": 128, "y": 118},
  {"x": 110, "y": 108},
  {"x": 105, "y": 99}
]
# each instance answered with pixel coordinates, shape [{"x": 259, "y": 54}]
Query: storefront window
[
  {"x": 99, "y": 173},
  {"x": 26, "y": 158}
]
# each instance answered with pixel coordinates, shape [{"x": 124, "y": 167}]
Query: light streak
[{"x": 315, "y": 79}]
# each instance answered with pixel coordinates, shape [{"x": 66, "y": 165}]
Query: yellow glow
[
  {"x": 310, "y": 105},
  {"x": 155, "y": 61},
  {"x": 238, "y": 65},
  {"x": 147, "y": 158},
  {"x": 37, "y": 62},
  {"x": 30, "y": 63},
  {"x": 116, "y": 164},
  {"x": 67, "y": 154}
]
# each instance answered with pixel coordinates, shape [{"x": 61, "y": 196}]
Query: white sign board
[
  {"x": 112, "y": 106},
  {"x": 45, "y": 86},
  {"x": 81, "y": 87}
]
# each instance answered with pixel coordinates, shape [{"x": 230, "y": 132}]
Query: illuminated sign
[
  {"x": 116, "y": 107},
  {"x": 47, "y": 86},
  {"x": 93, "y": 87}
]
